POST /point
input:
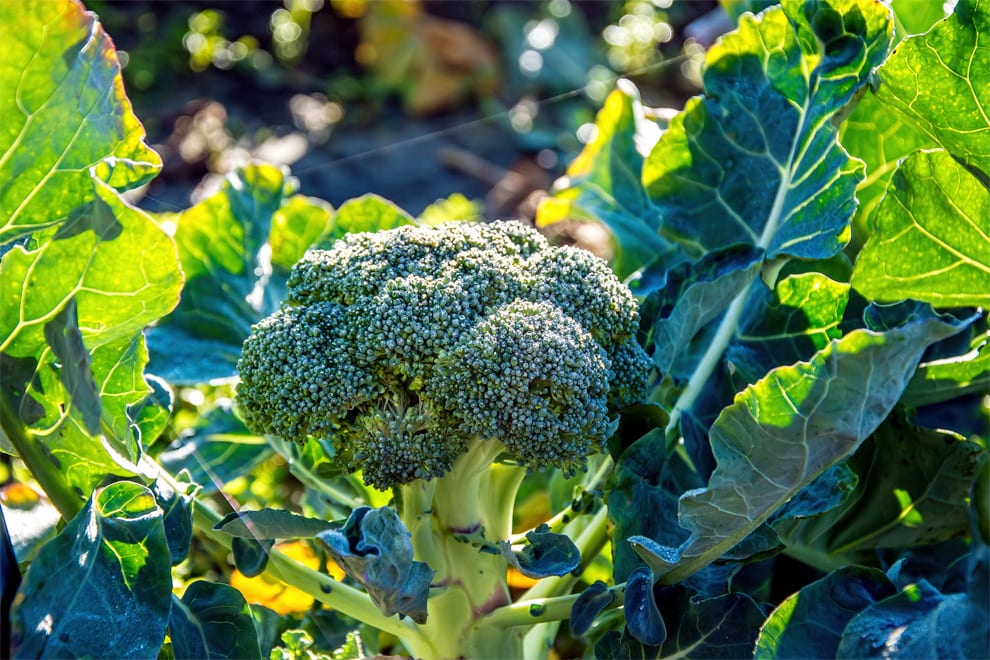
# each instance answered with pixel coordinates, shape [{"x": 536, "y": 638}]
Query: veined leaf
[
  {"x": 756, "y": 159},
  {"x": 931, "y": 237},
  {"x": 809, "y": 623},
  {"x": 115, "y": 297},
  {"x": 271, "y": 524},
  {"x": 65, "y": 114},
  {"x": 921, "y": 498},
  {"x": 940, "y": 380},
  {"x": 111, "y": 558},
  {"x": 785, "y": 430},
  {"x": 367, "y": 213},
  {"x": 236, "y": 247},
  {"x": 604, "y": 183},
  {"x": 940, "y": 80},
  {"x": 212, "y": 620}
]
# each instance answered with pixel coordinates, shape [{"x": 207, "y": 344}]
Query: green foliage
[{"x": 807, "y": 242}]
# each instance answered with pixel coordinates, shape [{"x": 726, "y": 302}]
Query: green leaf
[
  {"x": 799, "y": 317},
  {"x": 723, "y": 626},
  {"x": 212, "y": 620},
  {"x": 643, "y": 620},
  {"x": 696, "y": 294},
  {"x": 217, "y": 449},
  {"x": 931, "y": 237},
  {"x": 65, "y": 116},
  {"x": 880, "y": 138},
  {"x": 301, "y": 223},
  {"x": 921, "y": 498},
  {"x": 368, "y": 213},
  {"x": 604, "y": 183},
  {"x": 83, "y": 260},
  {"x": 545, "y": 554},
  {"x": 757, "y": 158},
  {"x": 235, "y": 248},
  {"x": 925, "y": 624},
  {"x": 271, "y": 524},
  {"x": 809, "y": 623},
  {"x": 112, "y": 558},
  {"x": 940, "y": 380},
  {"x": 374, "y": 548},
  {"x": 940, "y": 81},
  {"x": 782, "y": 432}
]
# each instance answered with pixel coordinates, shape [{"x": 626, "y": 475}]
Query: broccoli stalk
[{"x": 444, "y": 363}]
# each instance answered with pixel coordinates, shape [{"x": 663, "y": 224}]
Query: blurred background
[{"x": 416, "y": 100}]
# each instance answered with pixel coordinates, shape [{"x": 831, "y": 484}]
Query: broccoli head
[{"x": 402, "y": 346}]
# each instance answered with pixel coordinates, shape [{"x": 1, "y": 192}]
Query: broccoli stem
[{"x": 454, "y": 521}]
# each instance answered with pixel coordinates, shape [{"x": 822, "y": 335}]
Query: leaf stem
[{"x": 42, "y": 469}]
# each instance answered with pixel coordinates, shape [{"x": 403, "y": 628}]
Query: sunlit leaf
[
  {"x": 64, "y": 112},
  {"x": 111, "y": 558},
  {"x": 931, "y": 236},
  {"x": 756, "y": 159},
  {"x": 784, "y": 431},
  {"x": 940, "y": 81}
]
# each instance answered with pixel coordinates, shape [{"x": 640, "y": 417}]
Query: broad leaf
[
  {"x": 235, "y": 248},
  {"x": 545, "y": 554},
  {"x": 605, "y": 183},
  {"x": 367, "y": 213},
  {"x": 272, "y": 524},
  {"x": 176, "y": 506},
  {"x": 64, "y": 113},
  {"x": 723, "y": 626},
  {"x": 810, "y": 622},
  {"x": 931, "y": 236},
  {"x": 111, "y": 558},
  {"x": 921, "y": 498},
  {"x": 757, "y": 158},
  {"x": 374, "y": 548},
  {"x": 940, "y": 80},
  {"x": 115, "y": 297},
  {"x": 212, "y": 620},
  {"x": 694, "y": 295},
  {"x": 217, "y": 449},
  {"x": 784, "y": 431},
  {"x": 942, "y": 379}
]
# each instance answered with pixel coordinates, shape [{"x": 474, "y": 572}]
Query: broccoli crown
[{"x": 402, "y": 345}]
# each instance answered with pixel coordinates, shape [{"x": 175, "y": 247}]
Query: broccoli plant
[{"x": 445, "y": 363}]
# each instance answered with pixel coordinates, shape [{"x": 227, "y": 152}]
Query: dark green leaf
[
  {"x": 918, "y": 622},
  {"x": 271, "y": 524},
  {"x": 931, "y": 236},
  {"x": 939, "y": 81},
  {"x": 696, "y": 294},
  {"x": 784, "y": 431},
  {"x": 616, "y": 646},
  {"x": 250, "y": 555},
  {"x": 642, "y": 498},
  {"x": 809, "y": 623},
  {"x": 65, "y": 115},
  {"x": 913, "y": 490},
  {"x": 544, "y": 555},
  {"x": 588, "y": 606},
  {"x": 942, "y": 379},
  {"x": 176, "y": 506},
  {"x": 112, "y": 558},
  {"x": 643, "y": 620},
  {"x": 212, "y": 620},
  {"x": 374, "y": 548},
  {"x": 723, "y": 626},
  {"x": 756, "y": 158}
]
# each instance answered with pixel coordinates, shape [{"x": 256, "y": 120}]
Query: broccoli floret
[{"x": 404, "y": 346}]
